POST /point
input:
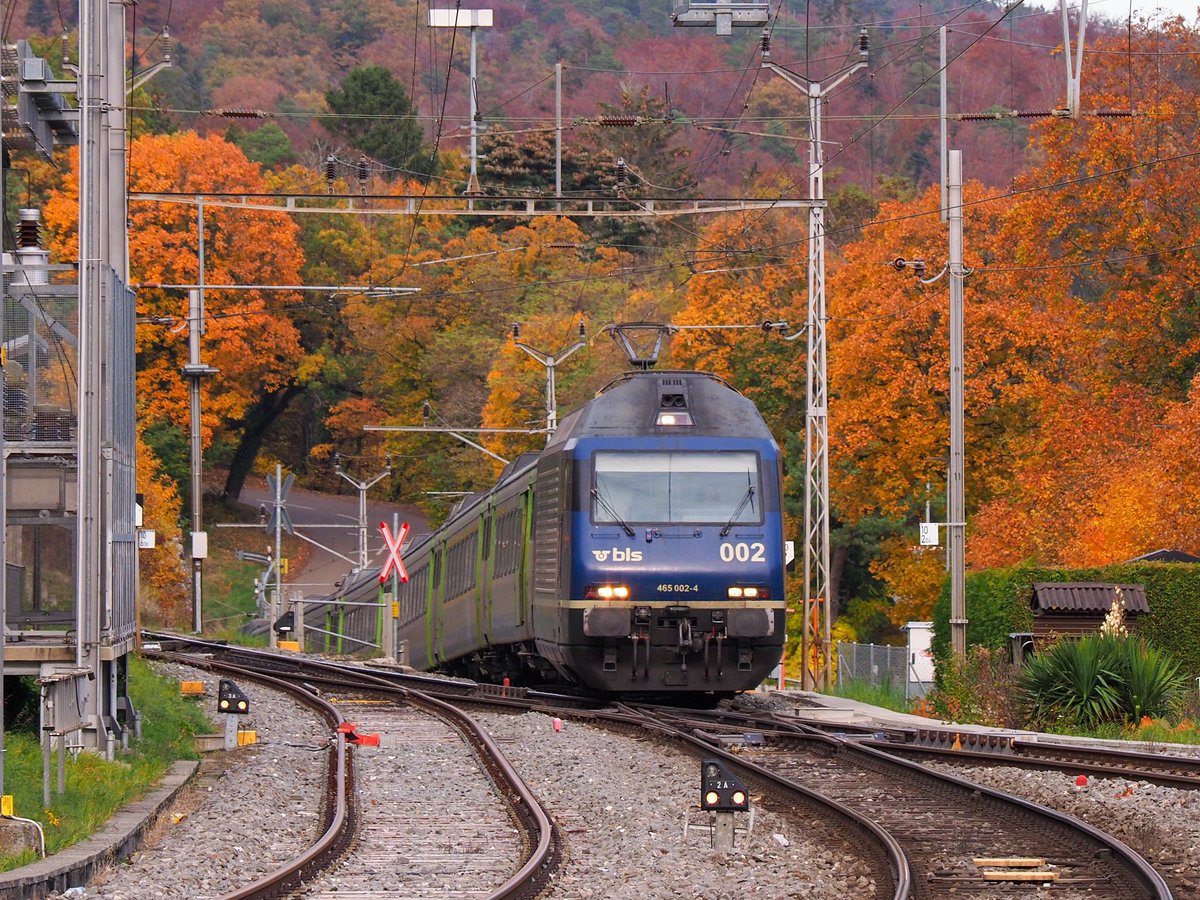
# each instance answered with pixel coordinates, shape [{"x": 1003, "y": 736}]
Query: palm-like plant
[
  {"x": 1098, "y": 678},
  {"x": 1073, "y": 680},
  {"x": 1148, "y": 678}
]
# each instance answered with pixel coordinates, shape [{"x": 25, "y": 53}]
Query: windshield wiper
[
  {"x": 746, "y": 498},
  {"x": 612, "y": 512}
]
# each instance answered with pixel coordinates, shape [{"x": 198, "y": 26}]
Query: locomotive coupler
[
  {"x": 744, "y": 656},
  {"x": 685, "y": 642}
]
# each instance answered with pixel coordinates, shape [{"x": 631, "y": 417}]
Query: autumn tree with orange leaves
[
  {"x": 449, "y": 343},
  {"x": 1112, "y": 218},
  {"x": 248, "y": 335}
]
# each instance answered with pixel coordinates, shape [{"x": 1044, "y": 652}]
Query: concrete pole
[
  {"x": 473, "y": 180},
  {"x": 944, "y": 123},
  {"x": 197, "y": 454},
  {"x": 3, "y": 502},
  {"x": 277, "y": 594},
  {"x": 558, "y": 129},
  {"x": 956, "y": 527}
]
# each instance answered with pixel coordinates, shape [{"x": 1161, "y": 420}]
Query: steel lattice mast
[{"x": 817, "y": 600}]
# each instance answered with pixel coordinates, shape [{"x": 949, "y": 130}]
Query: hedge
[{"x": 998, "y": 603}]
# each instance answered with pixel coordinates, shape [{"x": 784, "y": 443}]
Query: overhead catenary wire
[{"x": 897, "y": 116}]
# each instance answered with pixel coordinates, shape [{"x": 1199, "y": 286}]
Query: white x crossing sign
[{"x": 393, "y": 546}]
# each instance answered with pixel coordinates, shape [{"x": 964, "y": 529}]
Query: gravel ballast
[
  {"x": 620, "y": 803},
  {"x": 249, "y": 811}
]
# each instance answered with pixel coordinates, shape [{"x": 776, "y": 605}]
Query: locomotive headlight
[
  {"x": 673, "y": 418},
  {"x": 609, "y": 592},
  {"x": 748, "y": 592}
]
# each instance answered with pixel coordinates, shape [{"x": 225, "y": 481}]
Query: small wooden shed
[{"x": 1077, "y": 607}]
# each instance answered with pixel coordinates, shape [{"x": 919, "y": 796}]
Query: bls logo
[{"x": 618, "y": 555}]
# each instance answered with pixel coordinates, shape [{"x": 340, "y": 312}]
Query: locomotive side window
[{"x": 688, "y": 487}]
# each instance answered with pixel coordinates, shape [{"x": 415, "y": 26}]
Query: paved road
[{"x": 324, "y": 569}]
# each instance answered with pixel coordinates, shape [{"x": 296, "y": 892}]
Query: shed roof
[
  {"x": 1166, "y": 556},
  {"x": 1080, "y": 596}
]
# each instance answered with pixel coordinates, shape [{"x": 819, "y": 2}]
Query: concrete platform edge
[{"x": 120, "y": 836}]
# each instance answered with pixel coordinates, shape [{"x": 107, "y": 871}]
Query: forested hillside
[{"x": 1082, "y": 335}]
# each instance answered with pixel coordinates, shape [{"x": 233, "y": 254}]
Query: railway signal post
[
  {"x": 722, "y": 793},
  {"x": 233, "y": 702}
]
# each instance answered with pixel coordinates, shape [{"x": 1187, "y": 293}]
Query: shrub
[
  {"x": 1072, "y": 682},
  {"x": 981, "y": 691},
  {"x": 1084, "y": 682},
  {"x": 1148, "y": 679}
]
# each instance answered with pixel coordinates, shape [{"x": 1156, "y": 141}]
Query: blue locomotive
[{"x": 640, "y": 551}]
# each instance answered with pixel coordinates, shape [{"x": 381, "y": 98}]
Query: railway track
[
  {"x": 811, "y": 814},
  {"x": 946, "y": 825},
  {"x": 438, "y": 828},
  {"x": 506, "y": 842},
  {"x": 920, "y": 833},
  {"x": 968, "y": 746}
]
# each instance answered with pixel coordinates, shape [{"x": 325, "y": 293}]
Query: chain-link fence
[{"x": 874, "y": 664}]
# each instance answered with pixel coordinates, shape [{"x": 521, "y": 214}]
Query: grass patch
[
  {"x": 885, "y": 695},
  {"x": 96, "y": 788}
]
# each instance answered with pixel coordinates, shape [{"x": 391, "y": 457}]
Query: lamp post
[{"x": 471, "y": 19}]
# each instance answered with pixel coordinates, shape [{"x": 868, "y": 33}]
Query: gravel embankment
[
  {"x": 621, "y": 804},
  {"x": 248, "y": 812}
]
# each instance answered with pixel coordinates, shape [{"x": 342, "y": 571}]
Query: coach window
[{"x": 694, "y": 487}]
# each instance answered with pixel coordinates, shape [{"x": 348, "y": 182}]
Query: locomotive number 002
[{"x": 739, "y": 552}]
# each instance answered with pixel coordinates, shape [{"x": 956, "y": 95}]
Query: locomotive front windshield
[{"x": 685, "y": 487}]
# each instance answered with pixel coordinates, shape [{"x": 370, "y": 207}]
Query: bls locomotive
[{"x": 641, "y": 552}]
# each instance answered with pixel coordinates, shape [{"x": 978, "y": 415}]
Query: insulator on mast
[
  {"x": 864, "y": 43},
  {"x": 617, "y": 121},
  {"x": 330, "y": 171},
  {"x": 239, "y": 112},
  {"x": 362, "y": 170},
  {"x": 66, "y": 48},
  {"x": 168, "y": 44},
  {"x": 29, "y": 229},
  {"x": 764, "y": 44},
  {"x": 622, "y": 174}
]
